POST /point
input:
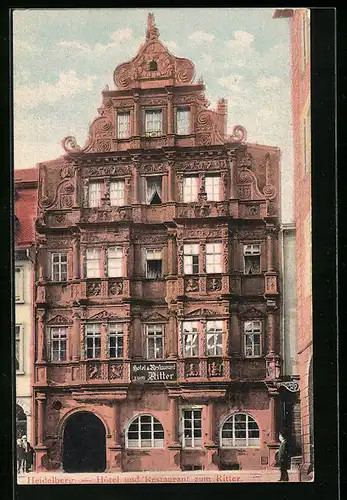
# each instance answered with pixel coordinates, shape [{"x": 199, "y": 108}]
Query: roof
[{"x": 25, "y": 203}]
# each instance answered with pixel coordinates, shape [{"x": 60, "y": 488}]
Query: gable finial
[{"x": 152, "y": 32}]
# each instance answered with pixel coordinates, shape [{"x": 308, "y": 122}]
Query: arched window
[
  {"x": 240, "y": 430},
  {"x": 145, "y": 432}
]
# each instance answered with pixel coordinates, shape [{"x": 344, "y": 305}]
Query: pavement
[{"x": 156, "y": 477}]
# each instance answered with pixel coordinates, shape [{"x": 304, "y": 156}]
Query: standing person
[
  {"x": 282, "y": 458},
  {"x": 29, "y": 452},
  {"x": 20, "y": 457}
]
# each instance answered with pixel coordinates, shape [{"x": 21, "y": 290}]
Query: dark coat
[
  {"x": 20, "y": 452},
  {"x": 29, "y": 452},
  {"x": 282, "y": 456}
]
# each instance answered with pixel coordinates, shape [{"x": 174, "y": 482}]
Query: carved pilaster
[
  {"x": 202, "y": 257},
  {"x": 203, "y": 339},
  {"x": 225, "y": 249},
  {"x": 41, "y": 350},
  {"x": 40, "y": 400},
  {"x": 127, "y": 191},
  {"x": 179, "y": 178},
  {"x": 170, "y": 114},
  {"x": 75, "y": 256},
  {"x": 180, "y": 258},
  {"x": 85, "y": 192},
  {"x": 136, "y": 131}
]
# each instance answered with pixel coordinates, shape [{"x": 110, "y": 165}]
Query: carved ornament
[
  {"x": 59, "y": 320},
  {"x": 201, "y": 313},
  {"x": 252, "y": 313}
]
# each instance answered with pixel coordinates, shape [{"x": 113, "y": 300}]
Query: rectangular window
[
  {"x": 191, "y": 258},
  {"x": 192, "y": 431},
  {"x": 251, "y": 256},
  {"x": 58, "y": 344},
  {"x": 116, "y": 340},
  {"x": 115, "y": 262},
  {"x": 19, "y": 284},
  {"x": 153, "y": 122},
  {"x": 252, "y": 336},
  {"x": 190, "y": 189},
  {"x": 153, "y": 190},
  {"x": 94, "y": 194},
  {"x": 19, "y": 349},
  {"x": 212, "y": 187},
  {"x": 153, "y": 263},
  {"x": 93, "y": 262},
  {"x": 93, "y": 341},
  {"x": 117, "y": 193},
  {"x": 182, "y": 121},
  {"x": 123, "y": 124},
  {"x": 214, "y": 331},
  {"x": 59, "y": 267},
  {"x": 154, "y": 341},
  {"x": 213, "y": 258},
  {"x": 190, "y": 338}
]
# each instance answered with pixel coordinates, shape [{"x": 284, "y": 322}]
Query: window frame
[
  {"x": 182, "y": 428},
  {"x": 20, "y": 338},
  {"x": 254, "y": 253},
  {"x": 154, "y": 337},
  {"x": 122, "y": 191},
  {"x": 120, "y": 113},
  {"x": 153, "y": 133},
  {"x": 94, "y": 335},
  {"x": 191, "y": 333},
  {"x": 191, "y": 255},
  {"x": 215, "y": 334},
  {"x": 146, "y": 250},
  {"x": 234, "y": 445},
  {"x": 20, "y": 284},
  {"x": 220, "y": 264},
  {"x": 100, "y": 193},
  {"x": 154, "y": 420},
  {"x": 219, "y": 196},
  {"x": 246, "y": 334},
  {"x": 60, "y": 340},
  {"x": 121, "y": 258},
  {"x": 147, "y": 178},
  {"x": 59, "y": 264},
  {"x": 192, "y": 199},
  {"x": 187, "y": 130},
  {"x": 99, "y": 259},
  {"x": 116, "y": 335}
]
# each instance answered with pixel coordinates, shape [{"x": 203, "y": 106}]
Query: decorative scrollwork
[
  {"x": 239, "y": 134},
  {"x": 269, "y": 191},
  {"x": 69, "y": 144}
]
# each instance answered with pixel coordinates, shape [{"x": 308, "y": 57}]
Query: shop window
[
  {"x": 153, "y": 263},
  {"x": 154, "y": 341},
  {"x": 58, "y": 344},
  {"x": 240, "y": 430},
  {"x": 145, "y": 431},
  {"x": 59, "y": 266},
  {"x": 191, "y": 427},
  {"x": 251, "y": 256},
  {"x": 252, "y": 338}
]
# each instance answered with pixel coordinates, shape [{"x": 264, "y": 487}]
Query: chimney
[{"x": 222, "y": 113}]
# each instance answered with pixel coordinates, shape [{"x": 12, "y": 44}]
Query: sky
[{"x": 63, "y": 58}]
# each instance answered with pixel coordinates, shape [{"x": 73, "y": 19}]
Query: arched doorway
[
  {"x": 84, "y": 443},
  {"x": 21, "y": 422}
]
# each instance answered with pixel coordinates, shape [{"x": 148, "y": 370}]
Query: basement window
[
  {"x": 251, "y": 255},
  {"x": 153, "y": 263}
]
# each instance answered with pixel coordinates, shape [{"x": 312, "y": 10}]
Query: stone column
[
  {"x": 173, "y": 326},
  {"x": 104, "y": 347},
  {"x": 126, "y": 343},
  {"x": 232, "y": 176},
  {"x": 41, "y": 351},
  {"x": 210, "y": 445},
  {"x": 173, "y": 444},
  {"x": 137, "y": 337},
  {"x": 42, "y": 262},
  {"x": 115, "y": 449},
  {"x": 202, "y": 257},
  {"x": 40, "y": 399},
  {"x": 75, "y": 257},
  {"x": 202, "y": 339},
  {"x": 235, "y": 341},
  {"x": 135, "y": 184},
  {"x": 179, "y": 194},
  {"x": 76, "y": 336},
  {"x": 271, "y": 337},
  {"x": 273, "y": 418},
  {"x": 225, "y": 256},
  {"x": 270, "y": 251},
  {"x": 170, "y": 128},
  {"x": 170, "y": 181},
  {"x": 136, "y": 130}
]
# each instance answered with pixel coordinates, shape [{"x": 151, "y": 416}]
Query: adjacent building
[
  {"x": 301, "y": 120},
  {"x": 25, "y": 204},
  {"x": 157, "y": 294}
]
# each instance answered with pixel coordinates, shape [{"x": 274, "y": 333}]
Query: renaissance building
[{"x": 157, "y": 300}]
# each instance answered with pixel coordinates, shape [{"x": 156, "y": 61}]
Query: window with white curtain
[
  {"x": 251, "y": 255},
  {"x": 214, "y": 330},
  {"x": 213, "y": 258},
  {"x": 190, "y": 338},
  {"x": 58, "y": 344},
  {"x": 240, "y": 430},
  {"x": 153, "y": 263},
  {"x": 182, "y": 121},
  {"x": 93, "y": 265},
  {"x": 94, "y": 194},
  {"x": 190, "y": 188},
  {"x": 192, "y": 428},
  {"x": 153, "y": 190},
  {"x": 117, "y": 193},
  {"x": 123, "y": 124},
  {"x": 212, "y": 187},
  {"x": 154, "y": 341},
  {"x": 115, "y": 262},
  {"x": 191, "y": 258},
  {"x": 153, "y": 122},
  {"x": 252, "y": 338},
  {"x": 92, "y": 340},
  {"x": 115, "y": 340},
  {"x": 145, "y": 431}
]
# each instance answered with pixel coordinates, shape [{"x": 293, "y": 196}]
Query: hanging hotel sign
[{"x": 153, "y": 372}]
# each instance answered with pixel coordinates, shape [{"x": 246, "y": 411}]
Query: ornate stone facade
[{"x": 123, "y": 271}]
